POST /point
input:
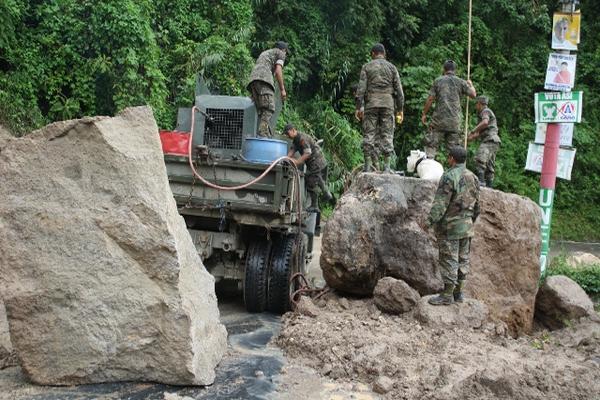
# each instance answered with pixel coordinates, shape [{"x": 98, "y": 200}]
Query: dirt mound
[{"x": 350, "y": 339}]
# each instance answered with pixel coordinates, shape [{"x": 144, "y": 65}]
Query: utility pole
[{"x": 550, "y": 164}]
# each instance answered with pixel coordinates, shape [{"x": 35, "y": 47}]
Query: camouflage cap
[
  {"x": 378, "y": 48},
  {"x": 288, "y": 127},
  {"x": 281, "y": 45},
  {"x": 482, "y": 99},
  {"x": 449, "y": 65},
  {"x": 458, "y": 153}
]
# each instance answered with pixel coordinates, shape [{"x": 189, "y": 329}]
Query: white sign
[
  {"x": 566, "y": 133},
  {"x": 535, "y": 158},
  {"x": 560, "y": 74},
  {"x": 558, "y": 106}
]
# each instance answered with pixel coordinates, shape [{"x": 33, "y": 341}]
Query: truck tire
[
  {"x": 257, "y": 275},
  {"x": 284, "y": 265}
]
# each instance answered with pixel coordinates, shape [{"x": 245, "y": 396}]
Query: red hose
[
  {"x": 245, "y": 185},
  {"x": 253, "y": 181}
]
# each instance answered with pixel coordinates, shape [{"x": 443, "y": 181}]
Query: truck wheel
[
  {"x": 284, "y": 264},
  {"x": 256, "y": 275}
]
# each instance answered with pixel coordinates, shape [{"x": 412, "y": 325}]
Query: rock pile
[
  {"x": 100, "y": 278},
  {"x": 374, "y": 232}
]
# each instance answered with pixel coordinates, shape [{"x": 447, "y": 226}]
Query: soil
[{"x": 351, "y": 341}]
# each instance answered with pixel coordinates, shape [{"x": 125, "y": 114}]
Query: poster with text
[
  {"x": 535, "y": 159},
  {"x": 557, "y": 107},
  {"x": 560, "y": 74},
  {"x": 566, "y": 30},
  {"x": 566, "y": 133}
]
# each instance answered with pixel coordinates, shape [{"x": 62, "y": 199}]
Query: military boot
[
  {"x": 459, "y": 295},
  {"x": 386, "y": 165},
  {"x": 327, "y": 196},
  {"x": 368, "y": 165},
  {"x": 445, "y": 298},
  {"x": 314, "y": 202},
  {"x": 481, "y": 177}
]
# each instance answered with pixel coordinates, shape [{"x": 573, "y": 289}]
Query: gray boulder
[
  {"x": 559, "y": 300},
  {"x": 394, "y": 296},
  {"x": 100, "y": 279},
  {"x": 375, "y": 231},
  {"x": 469, "y": 314}
]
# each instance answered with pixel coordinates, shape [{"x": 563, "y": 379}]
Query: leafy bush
[
  {"x": 587, "y": 276},
  {"x": 70, "y": 58}
]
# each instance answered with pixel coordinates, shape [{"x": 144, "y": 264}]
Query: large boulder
[
  {"x": 394, "y": 296},
  {"x": 375, "y": 231},
  {"x": 100, "y": 279},
  {"x": 560, "y": 300},
  {"x": 505, "y": 264}
]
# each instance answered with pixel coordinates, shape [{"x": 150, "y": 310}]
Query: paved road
[
  {"x": 251, "y": 368},
  {"x": 246, "y": 372}
]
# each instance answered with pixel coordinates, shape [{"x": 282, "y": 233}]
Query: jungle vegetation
[{"x": 62, "y": 59}]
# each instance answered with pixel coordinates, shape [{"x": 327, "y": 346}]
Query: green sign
[
  {"x": 558, "y": 107},
  {"x": 546, "y": 201}
]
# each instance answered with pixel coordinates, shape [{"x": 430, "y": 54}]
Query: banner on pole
[
  {"x": 566, "y": 30},
  {"x": 560, "y": 73},
  {"x": 556, "y": 107},
  {"x": 546, "y": 202},
  {"x": 566, "y": 133},
  {"x": 535, "y": 159}
]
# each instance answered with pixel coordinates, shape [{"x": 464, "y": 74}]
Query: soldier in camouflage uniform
[
  {"x": 379, "y": 94},
  {"x": 447, "y": 92},
  {"x": 262, "y": 88},
  {"x": 487, "y": 130},
  {"x": 455, "y": 208},
  {"x": 316, "y": 165}
]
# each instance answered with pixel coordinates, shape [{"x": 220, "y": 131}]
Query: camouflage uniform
[
  {"x": 262, "y": 87},
  {"x": 454, "y": 210},
  {"x": 448, "y": 91},
  {"x": 316, "y": 165},
  {"x": 379, "y": 93},
  {"x": 490, "y": 142}
]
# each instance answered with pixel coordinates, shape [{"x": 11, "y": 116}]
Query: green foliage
[
  {"x": 586, "y": 276},
  {"x": 69, "y": 58}
]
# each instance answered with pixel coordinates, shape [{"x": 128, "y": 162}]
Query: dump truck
[{"x": 259, "y": 235}]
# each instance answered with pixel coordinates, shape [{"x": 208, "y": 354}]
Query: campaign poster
[
  {"x": 535, "y": 159},
  {"x": 566, "y": 133},
  {"x": 558, "y": 107},
  {"x": 560, "y": 74},
  {"x": 566, "y": 30}
]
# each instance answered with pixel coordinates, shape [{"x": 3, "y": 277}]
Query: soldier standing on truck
[
  {"x": 316, "y": 165},
  {"x": 447, "y": 91},
  {"x": 453, "y": 213},
  {"x": 487, "y": 130},
  {"x": 262, "y": 88},
  {"x": 379, "y": 93}
]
